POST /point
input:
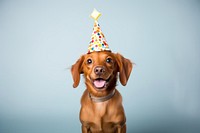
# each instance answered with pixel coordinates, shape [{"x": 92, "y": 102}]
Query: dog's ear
[
  {"x": 125, "y": 68},
  {"x": 76, "y": 70}
]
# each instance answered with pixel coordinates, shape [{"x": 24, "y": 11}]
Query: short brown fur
[{"x": 107, "y": 116}]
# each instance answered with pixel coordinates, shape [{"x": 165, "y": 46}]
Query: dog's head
[{"x": 100, "y": 70}]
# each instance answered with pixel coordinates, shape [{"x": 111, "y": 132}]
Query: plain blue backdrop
[{"x": 40, "y": 40}]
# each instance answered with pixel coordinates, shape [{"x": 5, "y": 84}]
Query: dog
[{"x": 101, "y": 103}]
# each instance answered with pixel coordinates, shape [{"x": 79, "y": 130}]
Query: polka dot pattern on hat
[{"x": 98, "y": 41}]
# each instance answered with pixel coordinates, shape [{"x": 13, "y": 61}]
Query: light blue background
[{"x": 40, "y": 40}]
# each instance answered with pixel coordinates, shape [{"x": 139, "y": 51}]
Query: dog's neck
[{"x": 102, "y": 99}]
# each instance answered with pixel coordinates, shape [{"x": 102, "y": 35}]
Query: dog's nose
[{"x": 99, "y": 70}]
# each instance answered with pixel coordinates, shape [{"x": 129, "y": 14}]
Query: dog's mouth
[{"x": 100, "y": 83}]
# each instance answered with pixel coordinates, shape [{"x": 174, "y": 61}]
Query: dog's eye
[
  {"x": 108, "y": 60},
  {"x": 89, "y": 61}
]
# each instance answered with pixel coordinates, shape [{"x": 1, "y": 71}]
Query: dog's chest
[
  {"x": 100, "y": 109},
  {"x": 96, "y": 111},
  {"x": 104, "y": 116},
  {"x": 98, "y": 117}
]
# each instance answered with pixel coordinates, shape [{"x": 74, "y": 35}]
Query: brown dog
[{"x": 101, "y": 104}]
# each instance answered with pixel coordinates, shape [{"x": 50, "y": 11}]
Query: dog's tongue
[{"x": 99, "y": 83}]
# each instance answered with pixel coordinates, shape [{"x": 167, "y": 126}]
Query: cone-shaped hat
[{"x": 98, "y": 41}]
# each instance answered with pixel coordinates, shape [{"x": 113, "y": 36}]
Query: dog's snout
[{"x": 99, "y": 70}]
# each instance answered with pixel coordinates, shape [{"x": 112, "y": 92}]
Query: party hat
[{"x": 98, "y": 41}]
